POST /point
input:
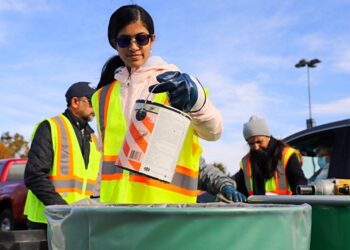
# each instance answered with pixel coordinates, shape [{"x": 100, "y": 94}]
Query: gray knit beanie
[{"x": 255, "y": 126}]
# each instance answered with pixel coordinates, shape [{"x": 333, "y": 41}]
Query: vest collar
[{"x": 80, "y": 124}]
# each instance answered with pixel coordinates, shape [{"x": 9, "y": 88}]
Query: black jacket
[
  {"x": 294, "y": 173},
  {"x": 40, "y": 159}
]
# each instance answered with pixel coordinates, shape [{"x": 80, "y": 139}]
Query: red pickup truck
[{"x": 13, "y": 194}]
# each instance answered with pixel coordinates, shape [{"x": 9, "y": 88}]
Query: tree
[
  {"x": 5, "y": 152},
  {"x": 13, "y": 146}
]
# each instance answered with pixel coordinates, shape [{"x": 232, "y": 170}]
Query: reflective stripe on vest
[
  {"x": 71, "y": 179},
  {"x": 277, "y": 184},
  {"x": 131, "y": 186},
  {"x": 65, "y": 180}
]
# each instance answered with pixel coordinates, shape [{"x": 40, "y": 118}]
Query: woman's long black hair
[
  {"x": 107, "y": 73},
  {"x": 120, "y": 18}
]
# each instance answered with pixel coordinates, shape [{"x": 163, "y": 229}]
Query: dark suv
[
  {"x": 13, "y": 193},
  {"x": 336, "y": 136}
]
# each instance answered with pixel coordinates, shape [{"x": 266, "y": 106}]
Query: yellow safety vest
[
  {"x": 122, "y": 186},
  {"x": 69, "y": 176},
  {"x": 278, "y": 184}
]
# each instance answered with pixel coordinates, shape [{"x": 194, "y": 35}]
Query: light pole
[{"x": 309, "y": 64}]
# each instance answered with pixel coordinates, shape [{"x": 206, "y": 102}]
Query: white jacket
[{"x": 207, "y": 122}]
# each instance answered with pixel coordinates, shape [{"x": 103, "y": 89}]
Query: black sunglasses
[{"x": 141, "y": 39}]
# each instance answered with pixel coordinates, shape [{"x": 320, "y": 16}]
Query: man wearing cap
[
  {"x": 270, "y": 167},
  {"x": 63, "y": 160}
]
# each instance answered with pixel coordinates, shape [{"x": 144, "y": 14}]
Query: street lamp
[{"x": 309, "y": 64}]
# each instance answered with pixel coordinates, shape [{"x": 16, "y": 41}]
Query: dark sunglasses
[{"x": 141, "y": 39}]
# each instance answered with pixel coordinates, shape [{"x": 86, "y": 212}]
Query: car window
[
  {"x": 308, "y": 146},
  {"x": 16, "y": 172},
  {"x": 310, "y": 166},
  {"x": 336, "y": 137}
]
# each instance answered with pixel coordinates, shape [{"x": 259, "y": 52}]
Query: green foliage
[{"x": 13, "y": 146}]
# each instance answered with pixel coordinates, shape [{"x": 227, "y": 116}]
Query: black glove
[{"x": 184, "y": 91}]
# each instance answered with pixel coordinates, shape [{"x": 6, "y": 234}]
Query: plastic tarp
[
  {"x": 330, "y": 217},
  {"x": 197, "y": 226}
]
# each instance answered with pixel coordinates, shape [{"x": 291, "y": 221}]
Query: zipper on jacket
[
  {"x": 128, "y": 80},
  {"x": 128, "y": 96}
]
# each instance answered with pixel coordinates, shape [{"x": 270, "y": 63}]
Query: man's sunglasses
[
  {"x": 141, "y": 39},
  {"x": 85, "y": 100}
]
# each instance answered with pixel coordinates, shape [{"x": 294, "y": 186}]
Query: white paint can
[{"x": 154, "y": 140}]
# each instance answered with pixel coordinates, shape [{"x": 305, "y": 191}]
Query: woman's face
[{"x": 134, "y": 55}]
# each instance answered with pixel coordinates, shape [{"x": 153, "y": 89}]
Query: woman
[{"x": 128, "y": 77}]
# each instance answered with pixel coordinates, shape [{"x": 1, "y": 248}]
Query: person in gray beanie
[{"x": 270, "y": 167}]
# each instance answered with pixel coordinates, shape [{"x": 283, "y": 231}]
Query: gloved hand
[
  {"x": 184, "y": 91},
  {"x": 229, "y": 194}
]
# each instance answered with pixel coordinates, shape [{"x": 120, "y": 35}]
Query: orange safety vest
[
  {"x": 122, "y": 186},
  {"x": 278, "y": 184}
]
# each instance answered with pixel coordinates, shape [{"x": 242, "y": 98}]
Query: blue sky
[{"x": 244, "y": 52}]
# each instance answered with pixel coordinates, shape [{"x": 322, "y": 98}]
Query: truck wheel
[{"x": 7, "y": 222}]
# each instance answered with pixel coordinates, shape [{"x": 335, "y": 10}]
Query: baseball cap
[{"x": 80, "y": 89}]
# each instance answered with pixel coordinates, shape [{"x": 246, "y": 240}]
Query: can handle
[{"x": 141, "y": 113}]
